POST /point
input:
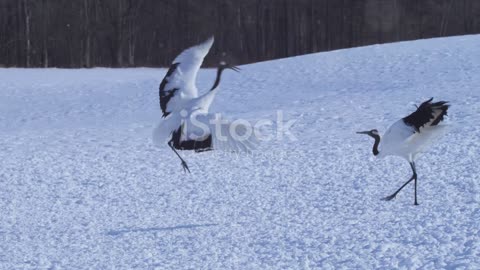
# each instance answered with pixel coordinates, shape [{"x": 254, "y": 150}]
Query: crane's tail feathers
[{"x": 427, "y": 114}]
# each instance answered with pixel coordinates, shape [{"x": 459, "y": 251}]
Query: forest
[{"x": 129, "y": 33}]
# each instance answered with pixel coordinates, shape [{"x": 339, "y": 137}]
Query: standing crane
[
  {"x": 409, "y": 136},
  {"x": 186, "y": 123}
]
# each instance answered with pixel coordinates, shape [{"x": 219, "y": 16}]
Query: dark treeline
[{"x": 117, "y": 33}]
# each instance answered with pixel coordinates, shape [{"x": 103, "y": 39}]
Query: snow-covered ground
[{"x": 83, "y": 187}]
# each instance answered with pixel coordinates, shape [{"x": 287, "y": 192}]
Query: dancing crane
[
  {"x": 186, "y": 123},
  {"x": 409, "y": 136}
]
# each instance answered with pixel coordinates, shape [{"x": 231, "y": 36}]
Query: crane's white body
[
  {"x": 199, "y": 124},
  {"x": 402, "y": 140},
  {"x": 186, "y": 111}
]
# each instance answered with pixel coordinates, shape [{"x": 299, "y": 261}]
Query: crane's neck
[
  {"x": 375, "y": 145},
  {"x": 217, "y": 80},
  {"x": 206, "y": 100}
]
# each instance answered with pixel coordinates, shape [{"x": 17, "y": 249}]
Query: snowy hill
[{"x": 83, "y": 187}]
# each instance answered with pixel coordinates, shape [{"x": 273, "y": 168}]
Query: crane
[
  {"x": 186, "y": 123},
  {"x": 409, "y": 136}
]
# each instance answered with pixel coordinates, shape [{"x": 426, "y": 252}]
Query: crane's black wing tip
[
  {"x": 427, "y": 113},
  {"x": 166, "y": 94}
]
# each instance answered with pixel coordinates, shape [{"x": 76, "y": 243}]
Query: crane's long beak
[
  {"x": 235, "y": 68},
  {"x": 363, "y": 132}
]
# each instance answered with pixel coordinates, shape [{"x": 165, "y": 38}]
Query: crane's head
[
  {"x": 221, "y": 67},
  {"x": 372, "y": 133},
  {"x": 224, "y": 65}
]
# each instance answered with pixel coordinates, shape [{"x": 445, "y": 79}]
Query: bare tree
[{"x": 28, "y": 44}]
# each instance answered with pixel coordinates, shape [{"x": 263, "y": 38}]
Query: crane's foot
[
  {"x": 185, "y": 167},
  {"x": 415, "y": 203},
  {"x": 389, "y": 198}
]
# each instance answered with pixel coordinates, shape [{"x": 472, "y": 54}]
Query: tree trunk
[
  {"x": 28, "y": 44},
  {"x": 88, "y": 35},
  {"x": 46, "y": 15}
]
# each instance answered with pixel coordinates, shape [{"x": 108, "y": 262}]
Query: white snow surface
[{"x": 83, "y": 187}]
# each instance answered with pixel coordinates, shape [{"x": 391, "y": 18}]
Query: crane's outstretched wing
[
  {"x": 178, "y": 85},
  {"x": 428, "y": 114},
  {"x": 417, "y": 130},
  {"x": 233, "y": 136},
  {"x": 212, "y": 132}
]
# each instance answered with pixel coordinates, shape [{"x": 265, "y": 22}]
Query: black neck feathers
[{"x": 217, "y": 80}]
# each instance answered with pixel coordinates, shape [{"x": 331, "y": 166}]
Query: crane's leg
[
  {"x": 184, "y": 164},
  {"x": 414, "y": 176}
]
